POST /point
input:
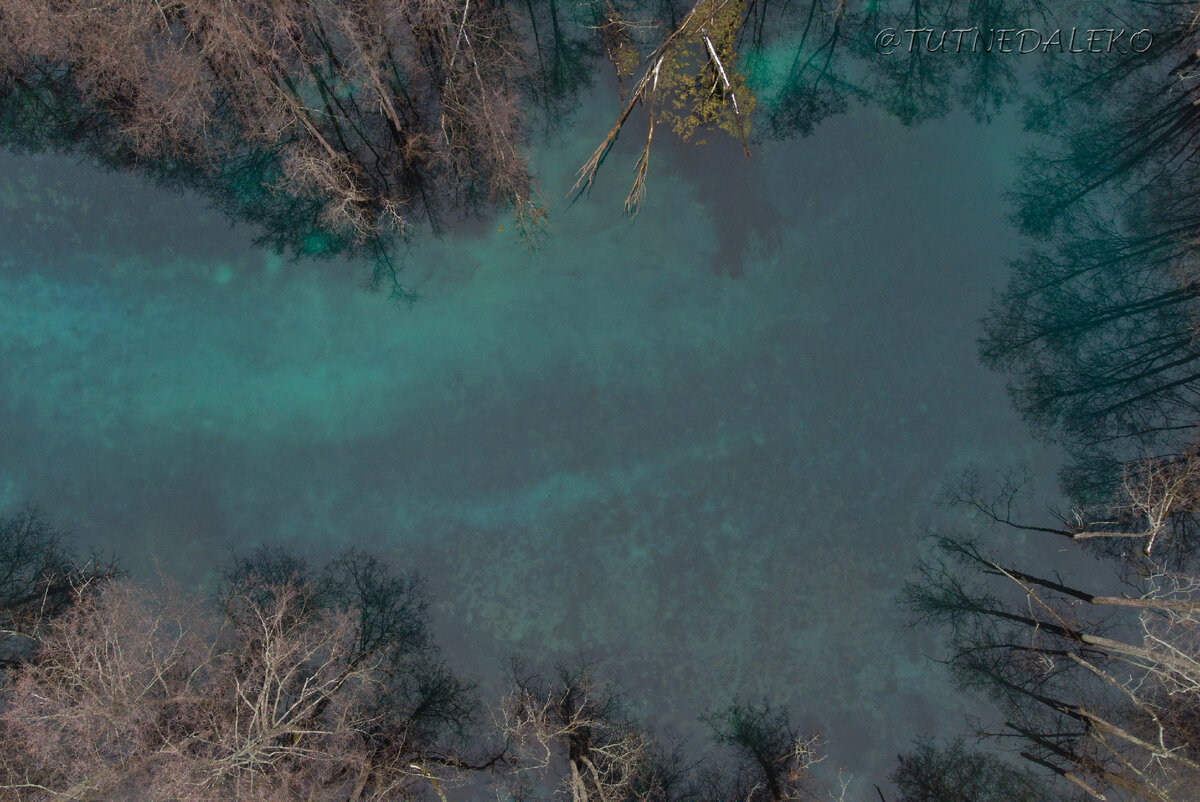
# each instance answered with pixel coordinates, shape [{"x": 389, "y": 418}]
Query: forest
[{"x": 350, "y": 128}]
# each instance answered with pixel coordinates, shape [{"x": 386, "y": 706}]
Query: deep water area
[{"x": 698, "y": 446}]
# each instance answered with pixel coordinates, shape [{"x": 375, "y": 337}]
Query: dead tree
[
  {"x": 689, "y": 81},
  {"x": 1148, "y": 521},
  {"x": 1102, "y": 709}
]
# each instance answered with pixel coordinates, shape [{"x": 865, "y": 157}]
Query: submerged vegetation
[{"x": 338, "y": 127}]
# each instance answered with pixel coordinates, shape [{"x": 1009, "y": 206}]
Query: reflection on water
[{"x": 698, "y": 444}]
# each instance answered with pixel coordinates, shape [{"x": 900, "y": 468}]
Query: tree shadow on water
[{"x": 732, "y": 189}]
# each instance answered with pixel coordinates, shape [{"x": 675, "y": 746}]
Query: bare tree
[
  {"x": 1148, "y": 522},
  {"x": 116, "y": 694},
  {"x": 1106, "y": 711},
  {"x": 957, "y": 773},
  {"x": 422, "y": 710},
  {"x": 771, "y": 757},
  {"x": 133, "y": 693},
  {"x": 338, "y": 124},
  {"x": 576, "y": 727},
  {"x": 573, "y": 733},
  {"x": 39, "y": 580}
]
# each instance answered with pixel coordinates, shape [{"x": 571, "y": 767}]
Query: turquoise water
[{"x": 699, "y": 445}]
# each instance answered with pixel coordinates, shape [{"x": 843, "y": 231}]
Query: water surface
[{"x": 699, "y": 445}]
